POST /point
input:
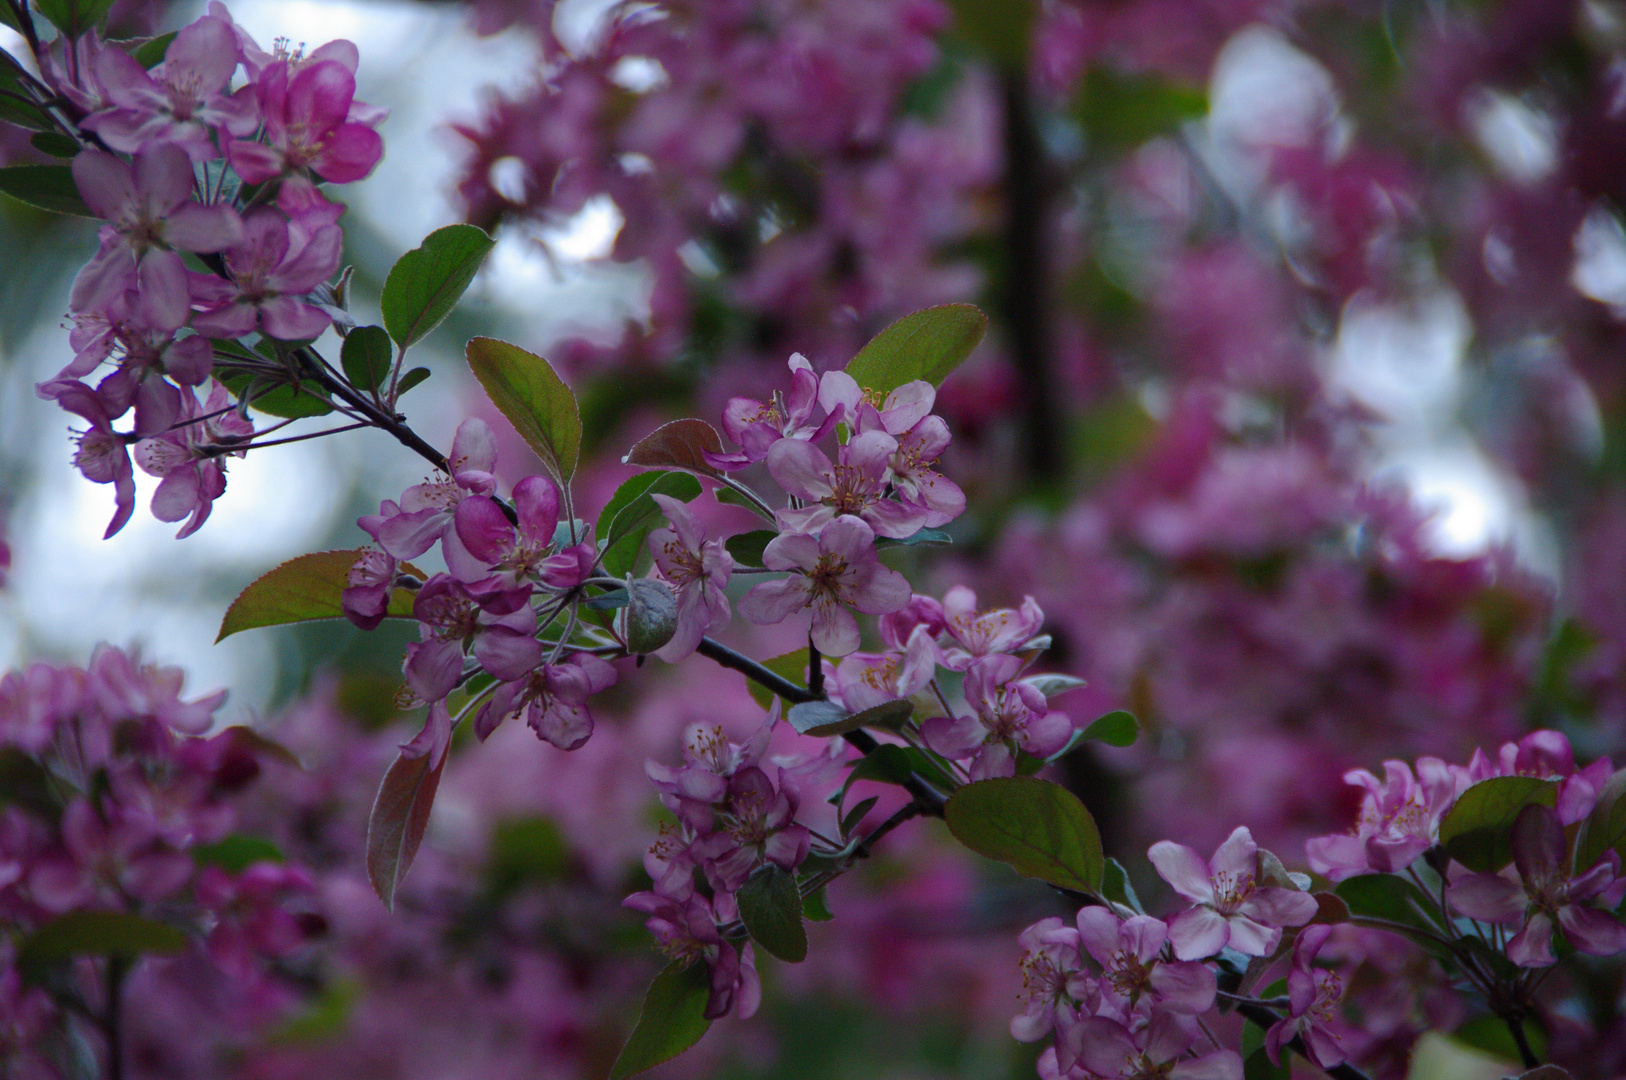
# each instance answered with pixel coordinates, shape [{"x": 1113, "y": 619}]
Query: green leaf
[
  {"x": 682, "y": 444},
  {"x": 400, "y": 815},
  {"x": 1115, "y": 886},
  {"x": 73, "y": 17},
  {"x": 1117, "y": 728},
  {"x": 288, "y": 398},
  {"x": 1256, "y": 1065},
  {"x": 1606, "y": 827},
  {"x": 792, "y": 665},
  {"x": 149, "y": 52},
  {"x": 771, "y": 908},
  {"x": 851, "y": 819},
  {"x": 19, "y": 110},
  {"x": 1037, "y": 827},
  {"x": 1391, "y": 898},
  {"x": 366, "y": 356},
  {"x": 25, "y": 783},
  {"x": 926, "y": 345},
  {"x": 237, "y": 853},
  {"x": 304, "y": 588},
  {"x": 534, "y": 399},
  {"x": 825, "y": 718},
  {"x": 1478, "y": 830},
  {"x": 96, "y": 933},
  {"x": 888, "y": 763},
  {"x": 410, "y": 379},
  {"x": 747, "y": 547},
  {"x": 672, "y": 1020},
  {"x": 919, "y": 536},
  {"x": 526, "y": 849},
  {"x": 55, "y": 143},
  {"x": 631, "y": 515},
  {"x": 1121, "y": 111},
  {"x": 816, "y": 905},
  {"x": 1053, "y": 684},
  {"x": 48, "y": 187},
  {"x": 999, "y": 28},
  {"x": 321, "y": 1018},
  {"x": 424, "y": 284}
]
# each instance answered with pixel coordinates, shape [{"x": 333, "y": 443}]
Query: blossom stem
[
  {"x": 113, "y": 1021},
  {"x": 1515, "y": 1027}
]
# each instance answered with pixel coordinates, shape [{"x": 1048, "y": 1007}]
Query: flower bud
[{"x": 651, "y": 615}]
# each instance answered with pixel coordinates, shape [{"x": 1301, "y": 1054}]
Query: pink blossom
[
  {"x": 1050, "y": 959},
  {"x": 552, "y": 698},
  {"x": 368, "y": 586},
  {"x": 837, "y": 570},
  {"x": 150, "y": 216},
  {"x": 1313, "y": 994},
  {"x": 1006, "y": 716},
  {"x": 687, "y": 932},
  {"x": 756, "y": 426},
  {"x": 699, "y": 569},
  {"x": 1399, "y": 819},
  {"x": 124, "y": 688},
  {"x": 181, "y": 102},
  {"x": 973, "y": 634},
  {"x": 426, "y": 510},
  {"x": 758, "y": 826},
  {"x": 1157, "y": 1050},
  {"x": 103, "y": 456},
  {"x": 1130, "y": 952},
  {"x": 856, "y": 486},
  {"x": 709, "y": 761},
  {"x": 1544, "y": 894},
  {"x": 306, "y": 110},
  {"x": 191, "y": 459},
  {"x": 864, "y": 680},
  {"x": 1232, "y": 908},
  {"x": 271, "y": 271},
  {"x": 505, "y": 555}
]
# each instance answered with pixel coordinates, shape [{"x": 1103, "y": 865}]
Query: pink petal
[
  {"x": 348, "y": 154},
  {"x": 1197, "y": 933}
]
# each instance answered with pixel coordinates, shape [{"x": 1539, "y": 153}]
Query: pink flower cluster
[
  {"x": 1135, "y": 1010},
  {"x": 180, "y": 160},
  {"x": 117, "y": 802}
]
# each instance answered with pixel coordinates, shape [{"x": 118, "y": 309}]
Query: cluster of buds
[{"x": 186, "y": 158}]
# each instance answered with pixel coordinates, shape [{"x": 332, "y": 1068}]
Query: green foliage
[
  {"x": 534, "y": 399},
  {"x": 410, "y": 379},
  {"x": 1117, "y": 728},
  {"x": 816, "y": 906},
  {"x": 934, "y": 537},
  {"x": 55, "y": 143},
  {"x": 237, "y": 853},
  {"x": 73, "y": 17},
  {"x": 48, "y": 187},
  {"x": 1000, "y": 29},
  {"x": 149, "y": 52},
  {"x": 1478, "y": 830},
  {"x": 792, "y": 665},
  {"x": 25, "y": 783},
  {"x": 400, "y": 816},
  {"x": 278, "y": 395},
  {"x": 825, "y": 718},
  {"x": 424, "y": 284},
  {"x": 747, "y": 547},
  {"x": 301, "y": 589},
  {"x": 1115, "y": 886},
  {"x": 1039, "y": 828},
  {"x": 96, "y": 933},
  {"x": 366, "y": 357},
  {"x": 672, "y": 1020},
  {"x": 16, "y": 103},
  {"x": 771, "y": 908},
  {"x": 1605, "y": 828},
  {"x": 927, "y": 344},
  {"x": 1120, "y": 111},
  {"x": 631, "y": 515},
  {"x": 525, "y": 849}
]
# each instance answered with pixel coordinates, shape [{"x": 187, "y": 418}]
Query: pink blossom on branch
[
  {"x": 698, "y": 569},
  {"x": 1232, "y": 908},
  {"x": 836, "y": 571}
]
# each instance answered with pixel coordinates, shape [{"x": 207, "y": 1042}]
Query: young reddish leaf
[
  {"x": 673, "y": 1019},
  {"x": 926, "y": 345},
  {"x": 301, "y": 589},
  {"x": 536, "y": 401},
  {"x": 424, "y": 284},
  {"x": 400, "y": 815},
  {"x": 771, "y": 908},
  {"x": 677, "y": 445},
  {"x": 1038, "y": 828},
  {"x": 1478, "y": 830}
]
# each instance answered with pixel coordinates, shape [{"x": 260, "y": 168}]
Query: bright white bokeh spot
[
  {"x": 1472, "y": 506},
  {"x": 507, "y": 178},
  {"x": 1402, "y": 360},
  {"x": 1600, "y": 260},
  {"x": 1521, "y": 140},
  {"x": 589, "y": 234},
  {"x": 1265, "y": 91}
]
